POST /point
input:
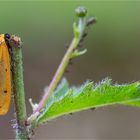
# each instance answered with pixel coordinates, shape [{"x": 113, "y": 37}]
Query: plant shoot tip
[{"x": 81, "y": 11}]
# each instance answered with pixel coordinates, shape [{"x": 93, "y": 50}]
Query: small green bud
[
  {"x": 81, "y": 11},
  {"x": 77, "y": 53}
]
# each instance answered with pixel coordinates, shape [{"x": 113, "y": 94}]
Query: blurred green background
[{"x": 113, "y": 43}]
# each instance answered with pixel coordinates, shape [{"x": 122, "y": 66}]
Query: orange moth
[{"x": 5, "y": 75}]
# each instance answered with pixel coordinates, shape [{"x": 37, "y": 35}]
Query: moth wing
[{"x": 5, "y": 79}]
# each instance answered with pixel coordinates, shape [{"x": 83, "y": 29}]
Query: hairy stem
[
  {"x": 78, "y": 33},
  {"x": 18, "y": 91},
  {"x": 59, "y": 73}
]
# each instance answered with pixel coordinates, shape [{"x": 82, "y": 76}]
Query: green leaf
[
  {"x": 76, "y": 30},
  {"x": 77, "y": 53},
  {"x": 66, "y": 100},
  {"x": 58, "y": 94}
]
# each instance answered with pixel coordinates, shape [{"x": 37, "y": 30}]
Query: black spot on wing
[{"x": 5, "y": 91}]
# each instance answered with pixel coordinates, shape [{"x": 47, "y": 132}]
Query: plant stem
[
  {"x": 58, "y": 75},
  {"x": 78, "y": 33},
  {"x": 18, "y": 91}
]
